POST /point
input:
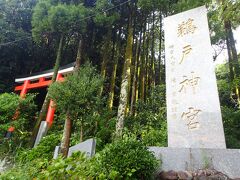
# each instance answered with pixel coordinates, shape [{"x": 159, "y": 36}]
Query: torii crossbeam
[{"x": 39, "y": 80}]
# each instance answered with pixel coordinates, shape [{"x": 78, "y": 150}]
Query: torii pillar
[{"x": 45, "y": 125}]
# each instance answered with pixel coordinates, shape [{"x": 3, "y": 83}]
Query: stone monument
[
  {"x": 88, "y": 147},
  {"x": 193, "y": 108},
  {"x": 195, "y": 129}
]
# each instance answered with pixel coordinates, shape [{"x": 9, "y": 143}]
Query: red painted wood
[
  {"x": 51, "y": 107},
  {"x": 42, "y": 79},
  {"x": 24, "y": 88},
  {"x": 50, "y": 113},
  {"x": 42, "y": 82},
  {"x": 39, "y": 84},
  {"x": 60, "y": 77}
]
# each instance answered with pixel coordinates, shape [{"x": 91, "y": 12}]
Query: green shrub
[
  {"x": 75, "y": 167},
  {"x": 10, "y": 105},
  {"x": 30, "y": 162},
  {"x": 27, "y": 171},
  {"x": 124, "y": 159},
  {"x": 231, "y": 126},
  {"x": 44, "y": 150}
]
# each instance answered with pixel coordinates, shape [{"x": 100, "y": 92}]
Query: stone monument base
[{"x": 226, "y": 161}]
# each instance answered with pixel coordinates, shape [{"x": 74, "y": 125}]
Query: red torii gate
[{"x": 42, "y": 79}]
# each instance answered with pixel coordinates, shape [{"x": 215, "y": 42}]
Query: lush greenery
[
  {"x": 230, "y": 110},
  {"x": 20, "y": 114},
  {"x": 124, "y": 159}
]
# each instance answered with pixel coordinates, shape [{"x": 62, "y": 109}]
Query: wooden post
[
  {"x": 24, "y": 89},
  {"x": 51, "y": 108}
]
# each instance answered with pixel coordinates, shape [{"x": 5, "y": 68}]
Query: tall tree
[
  {"x": 226, "y": 8},
  {"x": 126, "y": 76},
  {"x": 105, "y": 18},
  {"x": 76, "y": 98},
  {"x": 51, "y": 22}
]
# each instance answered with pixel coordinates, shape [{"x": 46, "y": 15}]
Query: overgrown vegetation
[
  {"x": 124, "y": 159},
  {"x": 116, "y": 92},
  {"x": 20, "y": 114}
]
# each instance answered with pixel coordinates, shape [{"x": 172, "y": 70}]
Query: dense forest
[{"x": 116, "y": 92}]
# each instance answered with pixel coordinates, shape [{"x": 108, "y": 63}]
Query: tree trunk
[
  {"x": 68, "y": 122},
  {"x": 105, "y": 55},
  {"x": 66, "y": 135},
  {"x": 124, "y": 93},
  {"x": 134, "y": 83},
  {"x": 231, "y": 73},
  {"x": 43, "y": 111},
  {"x": 79, "y": 56},
  {"x": 160, "y": 49},
  {"x": 115, "y": 56},
  {"x": 233, "y": 59},
  {"x": 147, "y": 65},
  {"x": 138, "y": 68},
  {"x": 153, "y": 76},
  {"x": 142, "y": 67},
  {"x": 58, "y": 59}
]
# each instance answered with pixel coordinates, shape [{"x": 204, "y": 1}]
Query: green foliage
[
  {"x": 104, "y": 18},
  {"x": 229, "y": 12},
  {"x": 27, "y": 171},
  {"x": 230, "y": 112},
  {"x": 216, "y": 27},
  {"x": 226, "y": 87},
  {"x": 40, "y": 22},
  {"x": 44, "y": 150},
  {"x": 78, "y": 93},
  {"x": 30, "y": 162},
  {"x": 124, "y": 159},
  {"x": 231, "y": 126},
  {"x": 106, "y": 122},
  {"x": 184, "y": 5},
  {"x": 75, "y": 167},
  {"x": 51, "y": 19},
  {"x": 11, "y": 105},
  {"x": 153, "y": 4},
  {"x": 149, "y": 123},
  {"x": 58, "y": 18}
]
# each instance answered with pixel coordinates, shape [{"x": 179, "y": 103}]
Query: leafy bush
[
  {"x": 75, "y": 167},
  {"x": 29, "y": 163},
  {"x": 10, "y": 104},
  {"x": 231, "y": 126},
  {"x": 19, "y": 113},
  {"x": 44, "y": 150},
  {"x": 124, "y": 159},
  {"x": 27, "y": 171}
]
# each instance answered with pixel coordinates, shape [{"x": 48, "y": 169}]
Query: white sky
[{"x": 224, "y": 56}]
